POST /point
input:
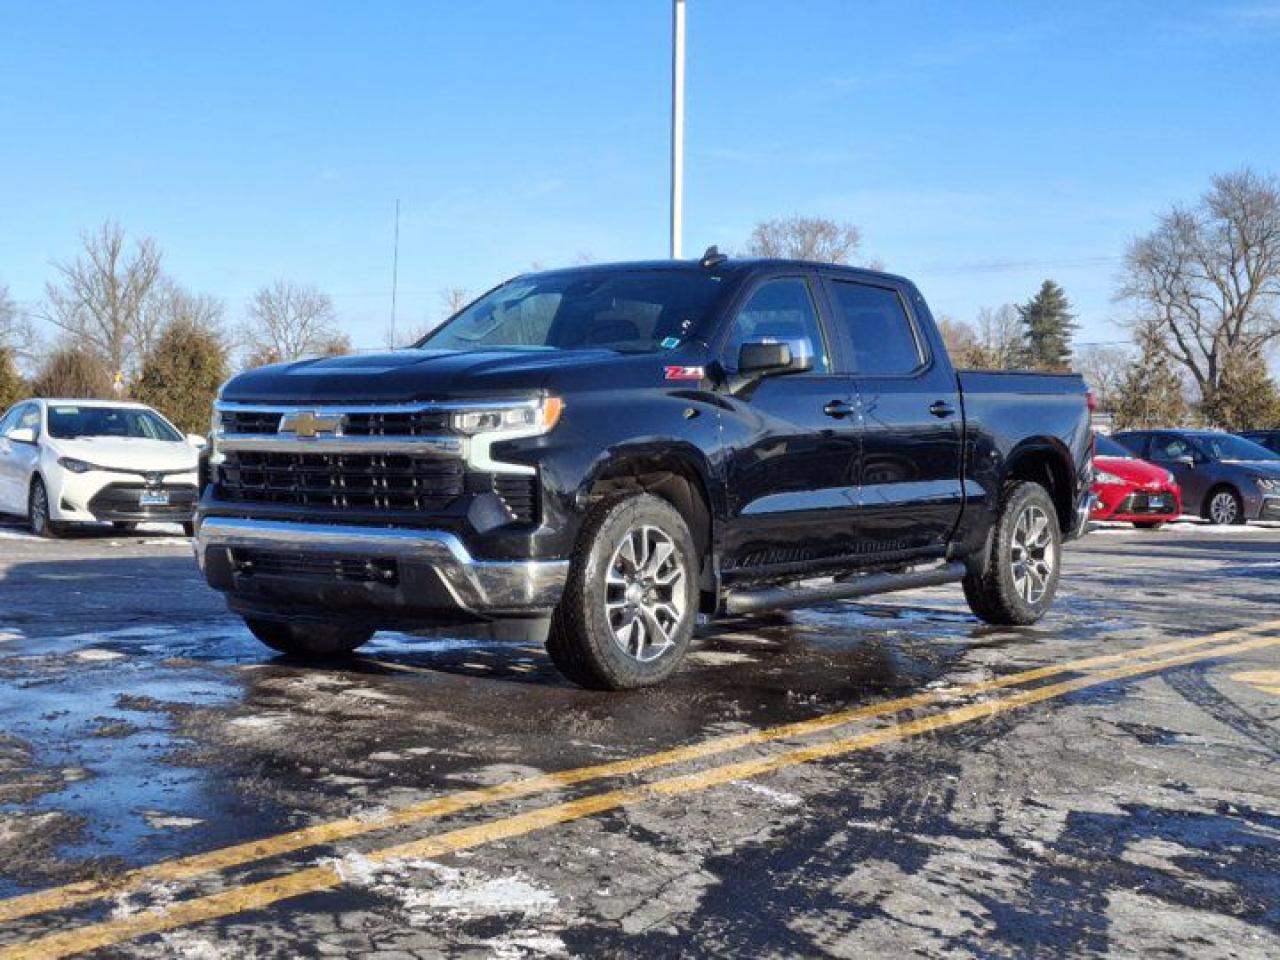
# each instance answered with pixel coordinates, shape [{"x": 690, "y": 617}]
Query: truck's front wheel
[
  {"x": 627, "y": 614},
  {"x": 1018, "y": 581},
  {"x": 309, "y": 639}
]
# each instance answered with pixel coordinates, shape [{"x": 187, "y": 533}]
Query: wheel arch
[{"x": 1048, "y": 462}]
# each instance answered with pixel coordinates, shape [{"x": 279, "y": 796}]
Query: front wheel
[
  {"x": 1224, "y": 507},
  {"x": 38, "y": 512},
  {"x": 313, "y": 640},
  {"x": 628, "y": 610},
  {"x": 1020, "y": 577}
]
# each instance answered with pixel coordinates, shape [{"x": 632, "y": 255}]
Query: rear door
[
  {"x": 7, "y": 460},
  {"x": 17, "y": 460},
  {"x": 790, "y": 442},
  {"x": 909, "y": 415}
]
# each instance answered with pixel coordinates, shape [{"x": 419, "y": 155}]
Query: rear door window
[{"x": 883, "y": 340}]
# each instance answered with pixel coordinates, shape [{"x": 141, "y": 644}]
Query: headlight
[
  {"x": 74, "y": 465},
  {"x": 525, "y": 420},
  {"x": 1269, "y": 484},
  {"x": 1101, "y": 476}
]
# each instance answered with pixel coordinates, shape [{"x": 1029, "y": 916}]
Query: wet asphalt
[{"x": 139, "y": 723}]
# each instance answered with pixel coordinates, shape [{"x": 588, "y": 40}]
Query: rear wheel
[
  {"x": 628, "y": 610},
  {"x": 1224, "y": 507},
  {"x": 1020, "y": 577},
  {"x": 38, "y": 512},
  {"x": 1148, "y": 524},
  {"x": 309, "y": 639}
]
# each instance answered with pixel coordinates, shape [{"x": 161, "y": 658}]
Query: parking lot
[{"x": 851, "y": 780}]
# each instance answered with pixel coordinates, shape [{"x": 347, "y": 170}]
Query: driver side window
[
  {"x": 780, "y": 311},
  {"x": 1170, "y": 449}
]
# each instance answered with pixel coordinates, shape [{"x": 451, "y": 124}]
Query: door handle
[
  {"x": 838, "y": 409},
  {"x": 941, "y": 409}
]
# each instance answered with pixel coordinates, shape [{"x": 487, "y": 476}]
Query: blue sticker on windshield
[{"x": 669, "y": 343}]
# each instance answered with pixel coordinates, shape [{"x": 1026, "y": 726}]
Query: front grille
[
  {"x": 124, "y": 499},
  {"x": 313, "y": 566},
  {"x": 250, "y": 421},
  {"x": 375, "y": 481},
  {"x": 418, "y": 423},
  {"x": 520, "y": 495},
  {"x": 1137, "y": 503}
]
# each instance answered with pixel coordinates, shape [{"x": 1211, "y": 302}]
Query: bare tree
[
  {"x": 289, "y": 321},
  {"x": 1208, "y": 276},
  {"x": 172, "y": 304},
  {"x": 1105, "y": 369},
  {"x": 17, "y": 335},
  {"x": 1000, "y": 336},
  {"x": 101, "y": 300},
  {"x": 805, "y": 238}
]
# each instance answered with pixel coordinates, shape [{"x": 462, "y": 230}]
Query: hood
[
  {"x": 129, "y": 453},
  {"x": 407, "y": 375},
  {"x": 1134, "y": 471}
]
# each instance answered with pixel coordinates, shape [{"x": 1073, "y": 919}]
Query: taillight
[{"x": 1091, "y": 401}]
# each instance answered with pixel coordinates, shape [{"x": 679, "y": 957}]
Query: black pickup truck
[{"x": 626, "y": 447}]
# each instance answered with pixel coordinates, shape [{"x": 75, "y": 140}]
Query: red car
[{"x": 1132, "y": 490}]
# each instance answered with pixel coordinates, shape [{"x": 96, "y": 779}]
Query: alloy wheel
[
  {"x": 645, "y": 593},
  {"x": 1032, "y": 554},
  {"x": 1223, "y": 508}
]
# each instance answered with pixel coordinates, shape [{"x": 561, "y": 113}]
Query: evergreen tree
[
  {"x": 1048, "y": 325},
  {"x": 1246, "y": 397},
  {"x": 12, "y": 387},
  {"x": 181, "y": 374},
  {"x": 1151, "y": 393}
]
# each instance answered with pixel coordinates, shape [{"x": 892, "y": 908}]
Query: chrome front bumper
[{"x": 482, "y": 587}]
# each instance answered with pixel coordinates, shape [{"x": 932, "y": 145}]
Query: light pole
[{"x": 677, "y": 126}]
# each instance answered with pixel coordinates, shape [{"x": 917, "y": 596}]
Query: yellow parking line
[
  {"x": 325, "y": 877},
  {"x": 59, "y": 898}
]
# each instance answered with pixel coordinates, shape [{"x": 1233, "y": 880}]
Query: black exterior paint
[{"x": 789, "y": 488}]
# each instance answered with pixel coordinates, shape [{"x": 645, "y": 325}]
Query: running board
[{"x": 774, "y": 598}]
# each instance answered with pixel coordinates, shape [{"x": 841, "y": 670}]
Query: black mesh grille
[
  {"x": 520, "y": 495},
  {"x": 320, "y": 566},
  {"x": 421, "y": 424},
  {"x": 242, "y": 421},
  {"x": 378, "y": 481}
]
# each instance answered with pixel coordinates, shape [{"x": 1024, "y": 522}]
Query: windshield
[
  {"x": 630, "y": 311},
  {"x": 1106, "y": 447},
  {"x": 67, "y": 422},
  {"x": 1225, "y": 446}
]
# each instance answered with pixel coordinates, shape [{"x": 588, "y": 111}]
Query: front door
[
  {"x": 791, "y": 442},
  {"x": 909, "y": 414},
  {"x": 1180, "y": 456}
]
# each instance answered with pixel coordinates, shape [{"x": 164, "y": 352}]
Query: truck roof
[{"x": 732, "y": 265}]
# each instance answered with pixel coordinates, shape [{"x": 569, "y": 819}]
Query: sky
[{"x": 979, "y": 147}]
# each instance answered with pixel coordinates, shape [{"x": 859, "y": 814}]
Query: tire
[
  {"x": 1148, "y": 524},
  {"x": 124, "y": 526},
  {"x": 38, "y": 512},
  {"x": 309, "y": 640},
  {"x": 629, "y": 607},
  {"x": 1223, "y": 507},
  {"x": 996, "y": 593}
]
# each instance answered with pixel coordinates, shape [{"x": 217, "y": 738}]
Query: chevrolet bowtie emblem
[{"x": 308, "y": 424}]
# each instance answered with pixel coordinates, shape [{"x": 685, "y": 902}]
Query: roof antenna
[{"x": 713, "y": 256}]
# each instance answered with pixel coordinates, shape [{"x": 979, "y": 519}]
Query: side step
[{"x": 775, "y": 598}]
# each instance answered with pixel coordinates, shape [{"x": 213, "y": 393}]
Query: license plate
[{"x": 154, "y": 498}]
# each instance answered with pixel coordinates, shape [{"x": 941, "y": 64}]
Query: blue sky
[{"x": 980, "y": 147}]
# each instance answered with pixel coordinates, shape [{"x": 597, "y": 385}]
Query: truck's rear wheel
[
  {"x": 1017, "y": 584},
  {"x": 628, "y": 610},
  {"x": 309, "y": 639}
]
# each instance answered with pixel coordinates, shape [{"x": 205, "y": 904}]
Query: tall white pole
[
  {"x": 677, "y": 127},
  {"x": 395, "y": 274}
]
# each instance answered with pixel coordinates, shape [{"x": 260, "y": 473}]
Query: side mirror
[
  {"x": 21, "y": 435},
  {"x": 1185, "y": 460},
  {"x": 766, "y": 357},
  {"x": 197, "y": 441}
]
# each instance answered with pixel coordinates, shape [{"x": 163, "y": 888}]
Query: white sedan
[{"x": 66, "y": 461}]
